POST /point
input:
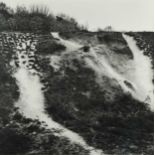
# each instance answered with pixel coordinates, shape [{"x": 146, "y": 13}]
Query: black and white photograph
[{"x": 76, "y": 77}]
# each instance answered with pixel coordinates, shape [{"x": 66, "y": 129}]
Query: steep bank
[
  {"x": 82, "y": 84},
  {"x": 31, "y": 101},
  {"x": 134, "y": 75},
  {"x": 96, "y": 84}
]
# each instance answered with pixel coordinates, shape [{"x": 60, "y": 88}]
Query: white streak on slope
[
  {"x": 70, "y": 45},
  {"x": 31, "y": 105},
  {"x": 103, "y": 68},
  {"x": 143, "y": 72}
]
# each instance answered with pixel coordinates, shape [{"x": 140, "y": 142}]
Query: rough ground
[{"x": 95, "y": 107}]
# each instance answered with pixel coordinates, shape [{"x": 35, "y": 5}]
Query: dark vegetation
[
  {"x": 115, "y": 42},
  {"x": 49, "y": 46},
  {"x": 14, "y": 141},
  {"x": 8, "y": 87},
  {"x": 108, "y": 37},
  {"x": 37, "y": 19},
  {"x": 102, "y": 36},
  {"x": 145, "y": 41},
  {"x": 25, "y": 136}
]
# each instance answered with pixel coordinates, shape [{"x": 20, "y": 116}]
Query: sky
[{"x": 122, "y": 15}]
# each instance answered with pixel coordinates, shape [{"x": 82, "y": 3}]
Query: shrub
[
  {"x": 36, "y": 23},
  {"x": 5, "y": 11},
  {"x": 49, "y": 47},
  {"x": 12, "y": 142},
  {"x": 3, "y": 23},
  {"x": 37, "y": 19},
  {"x": 8, "y": 88},
  {"x": 22, "y": 19},
  {"x": 12, "y": 24}
]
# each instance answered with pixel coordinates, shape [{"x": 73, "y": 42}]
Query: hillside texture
[{"x": 93, "y": 105}]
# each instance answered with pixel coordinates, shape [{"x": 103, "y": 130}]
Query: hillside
[
  {"x": 77, "y": 97},
  {"x": 66, "y": 91}
]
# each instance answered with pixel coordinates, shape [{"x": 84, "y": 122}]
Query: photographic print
[{"x": 76, "y": 77}]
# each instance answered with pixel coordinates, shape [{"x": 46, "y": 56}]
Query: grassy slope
[
  {"x": 120, "y": 127},
  {"x": 19, "y": 135},
  {"x": 76, "y": 101}
]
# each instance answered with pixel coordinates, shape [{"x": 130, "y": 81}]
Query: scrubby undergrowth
[
  {"x": 36, "y": 19},
  {"x": 77, "y": 102},
  {"x": 19, "y": 135},
  {"x": 74, "y": 99},
  {"x": 49, "y": 47}
]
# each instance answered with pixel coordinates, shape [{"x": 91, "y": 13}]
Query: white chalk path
[
  {"x": 31, "y": 105},
  {"x": 143, "y": 73},
  {"x": 140, "y": 77}
]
